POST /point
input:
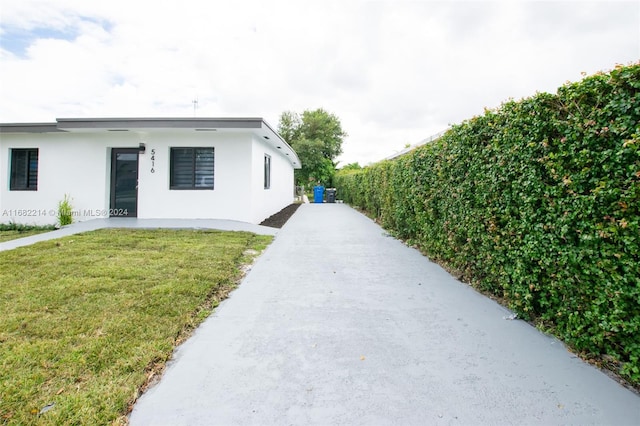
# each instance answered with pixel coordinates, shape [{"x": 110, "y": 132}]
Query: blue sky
[
  {"x": 18, "y": 40},
  {"x": 394, "y": 71}
]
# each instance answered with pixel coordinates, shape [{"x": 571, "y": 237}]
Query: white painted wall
[
  {"x": 228, "y": 200},
  {"x": 269, "y": 201},
  {"x": 79, "y": 164},
  {"x": 73, "y": 164}
]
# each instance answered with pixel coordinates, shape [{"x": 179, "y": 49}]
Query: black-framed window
[
  {"x": 267, "y": 171},
  {"x": 192, "y": 168},
  {"x": 24, "y": 169}
]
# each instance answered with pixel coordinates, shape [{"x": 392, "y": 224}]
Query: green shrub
[
  {"x": 537, "y": 202},
  {"x": 19, "y": 227},
  {"x": 65, "y": 211}
]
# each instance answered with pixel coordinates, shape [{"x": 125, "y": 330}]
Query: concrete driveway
[{"x": 339, "y": 324}]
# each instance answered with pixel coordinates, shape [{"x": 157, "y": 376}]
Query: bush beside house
[{"x": 536, "y": 202}]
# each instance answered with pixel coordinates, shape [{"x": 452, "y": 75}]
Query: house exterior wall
[
  {"x": 281, "y": 192},
  {"x": 79, "y": 164},
  {"x": 228, "y": 200},
  {"x": 71, "y": 164}
]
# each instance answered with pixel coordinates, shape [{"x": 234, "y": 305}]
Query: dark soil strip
[{"x": 279, "y": 219}]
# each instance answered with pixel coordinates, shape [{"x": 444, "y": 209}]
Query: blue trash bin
[{"x": 318, "y": 194}]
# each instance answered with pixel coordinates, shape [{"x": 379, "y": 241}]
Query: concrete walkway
[
  {"x": 339, "y": 324},
  {"x": 91, "y": 225}
]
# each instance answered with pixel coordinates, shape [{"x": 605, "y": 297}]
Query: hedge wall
[{"x": 537, "y": 202}]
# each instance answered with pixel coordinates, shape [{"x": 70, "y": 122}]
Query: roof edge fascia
[
  {"x": 159, "y": 123},
  {"x": 29, "y": 128}
]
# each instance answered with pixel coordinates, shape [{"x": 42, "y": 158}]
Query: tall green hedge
[{"x": 537, "y": 202}]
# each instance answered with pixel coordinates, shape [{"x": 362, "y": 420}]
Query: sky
[{"x": 394, "y": 72}]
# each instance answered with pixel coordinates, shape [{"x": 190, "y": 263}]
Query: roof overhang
[
  {"x": 195, "y": 123},
  {"x": 257, "y": 126},
  {"x": 29, "y": 128}
]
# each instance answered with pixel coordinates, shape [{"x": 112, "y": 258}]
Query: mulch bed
[{"x": 279, "y": 219}]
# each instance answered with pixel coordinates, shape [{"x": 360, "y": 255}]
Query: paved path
[
  {"x": 91, "y": 225},
  {"x": 339, "y": 324}
]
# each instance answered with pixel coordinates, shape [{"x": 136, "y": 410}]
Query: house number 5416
[{"x": 153, "y": 161}]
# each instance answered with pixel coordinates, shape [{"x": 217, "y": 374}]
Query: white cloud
[{"x": 395, "y": 72}]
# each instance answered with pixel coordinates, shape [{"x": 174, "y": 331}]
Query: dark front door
[{"x": 124, "y": 182}]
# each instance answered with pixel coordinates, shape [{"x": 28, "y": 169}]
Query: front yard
[{"x": 89, "y": 319}]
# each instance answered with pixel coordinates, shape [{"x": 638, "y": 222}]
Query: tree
[
  {"x": 289, "y": 126},
  {"x": 352, "y": 166},
  {"x": 317, "y": 138}
]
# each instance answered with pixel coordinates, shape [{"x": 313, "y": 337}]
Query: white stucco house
[{"x": 149, "y": 168}]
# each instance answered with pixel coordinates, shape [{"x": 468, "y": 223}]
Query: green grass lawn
[
  {"x": 13, "y": 231},
  {"x": 87, "y": 319}
]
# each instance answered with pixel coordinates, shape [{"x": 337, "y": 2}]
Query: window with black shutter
[
  {"x": 24, "y": 170},
  {"x": 191, "y": 168}
]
